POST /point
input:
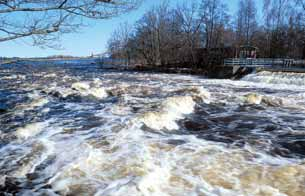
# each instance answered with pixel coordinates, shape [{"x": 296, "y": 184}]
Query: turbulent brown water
[{"x": 77, "y": 130}]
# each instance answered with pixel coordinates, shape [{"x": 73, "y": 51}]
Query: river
[{"x": 77, "y": 130}]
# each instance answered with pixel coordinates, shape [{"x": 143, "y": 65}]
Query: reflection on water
[{"x": 78, "y": 130}]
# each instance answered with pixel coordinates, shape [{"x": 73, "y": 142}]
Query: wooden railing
[{"x": 264, "y": 62}]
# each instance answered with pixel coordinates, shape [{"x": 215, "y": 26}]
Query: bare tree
[
  {"x": 147, "y": 37},
  {"x": 274, "y": 14},
  {"x": 45, "y": 20},
  {"x": 214, "y": 16},
  {"x": 156, "y": 35},
  {"x": 284, "y": 24},
  {"x": 215, "y": 19},
  {"x": 191, "y": 22},
  {"x": 302, "y": 3},
  {"x": 246, "y": 21},
  {"x": 301, "y": 24},
  {"x": 118, "y": 45}
]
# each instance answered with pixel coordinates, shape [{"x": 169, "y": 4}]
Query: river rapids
[{"x": 82, "y": 130}]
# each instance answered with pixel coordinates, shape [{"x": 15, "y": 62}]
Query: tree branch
[{"x": 41, "y": 18}]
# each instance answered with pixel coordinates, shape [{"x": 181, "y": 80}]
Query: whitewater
[{"x": 83, "y": 130}]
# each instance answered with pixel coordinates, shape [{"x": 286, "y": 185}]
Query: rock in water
[
  {"x": 253, "y": 98},
  {"x": 11, "y": 186},
  {"x": 272, "y": 101},
  {"x": 80, "y": 86}
]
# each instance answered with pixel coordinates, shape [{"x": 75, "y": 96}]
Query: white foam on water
[
  {"x": 197, "y": 92},
  {"x": 120, "y": 157},
  {"x": 140, "y": 163},
  {"x": 99, "y": 93},
  {"x": 61, "y": 90},
  {"x": 81, "y": 86},
  {"x": 39, "y": 152},
  {"x": 297, "y": 79},
  {"x": 31, "y": 130},
  {"x": 179, "y": 105},
  {"x": 121, "y": 110},
  {"x": 37, "y": 100},
  {"x": 14, "y": 77},
  {"x": 2, "y": 180},
  {"x": 119, "y": 169},
  {"x": 171, "y": 110},
  {"x": 33, "y": 149},
  {"x": 203, "y": 94},
  {"x": 52, "y": 75},
  {"x": 174, "y": 108},
  {"x": 85, "y": 90},
  {"x": 274, "y": 101},
  {"x": 46, "y": 110}
]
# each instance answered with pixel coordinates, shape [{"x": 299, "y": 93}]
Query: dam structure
[
  {"x": 247, "y": 60},
  {"x": 268, "y": 64}
]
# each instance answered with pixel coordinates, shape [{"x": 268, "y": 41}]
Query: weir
[{"x": 268, "y": 64}]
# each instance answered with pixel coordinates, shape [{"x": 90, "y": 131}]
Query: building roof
[{"x": 248, "y": 47}]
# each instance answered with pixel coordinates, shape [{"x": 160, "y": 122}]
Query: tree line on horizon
[{"x": 195, "y": 33}]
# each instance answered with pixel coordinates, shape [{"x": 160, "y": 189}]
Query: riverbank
[{"x": 216, "y": 72}]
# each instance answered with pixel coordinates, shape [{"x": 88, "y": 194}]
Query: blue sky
[{"x": 91, "y": 39}]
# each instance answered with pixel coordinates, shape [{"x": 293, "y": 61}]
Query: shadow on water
[{"x": 249, "y": 125}]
